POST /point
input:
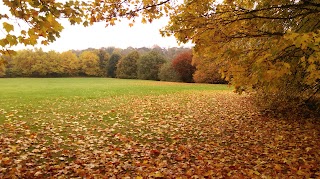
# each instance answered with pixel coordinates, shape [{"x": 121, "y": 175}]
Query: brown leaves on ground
[{"x": 186, "y": 135}]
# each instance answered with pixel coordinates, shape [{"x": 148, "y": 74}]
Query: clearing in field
[{"x": 111, "y": 128}]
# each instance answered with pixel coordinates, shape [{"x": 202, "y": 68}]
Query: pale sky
[{"x": 121, "y": 35}]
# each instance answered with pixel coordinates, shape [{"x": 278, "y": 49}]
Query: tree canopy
[
  {"x": 183, "y": 65},
  {"x": 127, "y": 66},
  {"x": 270, "y": 47},
  {"x": 148, "y": 65}
]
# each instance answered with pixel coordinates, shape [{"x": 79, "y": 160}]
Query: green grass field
[
  {"x": 41, "y": 88},
  {"x": 20, "y": 95},
  {"x": 112, "y": 128}
]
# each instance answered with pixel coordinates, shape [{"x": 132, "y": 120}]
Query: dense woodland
[{"x": 173, "y": 64}]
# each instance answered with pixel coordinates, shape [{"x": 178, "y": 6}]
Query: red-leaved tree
[{"x": 183, "y": 66}]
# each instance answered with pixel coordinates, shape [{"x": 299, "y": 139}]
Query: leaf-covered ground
[{"x": 190, "y": 134}]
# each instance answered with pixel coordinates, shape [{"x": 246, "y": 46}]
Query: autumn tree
[
  {"x": 14, "y": 67},
  {"x": 35, "y": 63},
  {"x": 183, "y": 66},
  {"x": 126, "y": 51},
  {"x": 89, "y": 64},
  {"x": 112, "y": 65},
  {"x": 103, "y": 60},
  {"x": 127, "y": 66},
  {"x": 158, "y": 49},
  {"x": 39, "y": 67},
  {"x": 70, "y": 63},
  {"x": 53, "y": 64},
  {"x": 269, "y": 47},
  {"x": 207, "y": 71},
  {"x": 149, "y": 65},
  {"x": 173, "y": 51},
  {"x": 168, "y": 73},
  {"x": 110, "y": 50},
  {"x": 2, "y": 67},
  {"x": 28, "y": 63}
]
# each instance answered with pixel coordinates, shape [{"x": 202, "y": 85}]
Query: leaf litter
[{"x": 181, "y": 135}]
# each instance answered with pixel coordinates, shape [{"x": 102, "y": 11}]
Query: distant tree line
[{"x": 173, "y": 64}]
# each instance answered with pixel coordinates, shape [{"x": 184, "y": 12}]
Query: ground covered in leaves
[{"x": 187, "y": 134}]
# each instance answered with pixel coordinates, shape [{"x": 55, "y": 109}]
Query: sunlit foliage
[{"x": 269, "y": 47}]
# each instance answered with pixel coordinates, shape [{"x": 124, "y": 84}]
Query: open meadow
[{"x": 115, "y": 128}]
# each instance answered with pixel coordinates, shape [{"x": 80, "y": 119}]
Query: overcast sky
[{"x": 121, "y": 35}]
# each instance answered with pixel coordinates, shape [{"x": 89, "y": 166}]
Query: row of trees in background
[{"x": 131, "y": 63}]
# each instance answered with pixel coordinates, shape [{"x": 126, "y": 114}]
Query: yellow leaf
[
  {"x": 3, "y": 42},
  {"x": 277, "y": 167},
  {"x": 86, "y": 23},
  {"x": 158, "y": 174},
  {"x": 50, "y": 18},
  {"x": 287, "y": 65},
  {"x": 279, "y": 137},
  {"x": 112, "y": 21},
  {"x": 300, "y": 172},
  {"x": 13, "y": 148},
  {"x": 44, "y": 42},
  {"x": 143, "y": 21},
  {"x": 253, "y": 172},
  {"x": 209, "y": 173},
  {"x": 8, "y": 27}
]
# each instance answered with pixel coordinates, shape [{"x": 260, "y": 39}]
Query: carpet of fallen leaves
[{"x": 186, "y": 135}]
